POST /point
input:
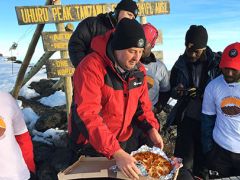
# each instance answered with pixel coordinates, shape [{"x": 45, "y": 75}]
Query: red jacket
[{"x": 104, "y": 103}]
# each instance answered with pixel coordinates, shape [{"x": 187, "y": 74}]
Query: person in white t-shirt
[
  {"x": 16, "y": 150},
  {"x": 221, "y": 117}
]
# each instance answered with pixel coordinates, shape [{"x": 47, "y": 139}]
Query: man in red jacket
[
  {"x": 109, "y": 85},
  {"x": 16, "y": 150}
]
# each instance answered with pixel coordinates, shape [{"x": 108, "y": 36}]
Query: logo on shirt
[
  {"x": 137, "y": 83},
  {"x": 231, "y": 106},
  {"x": 150, "y": 82},
  {"x": 2, "y": 128}
]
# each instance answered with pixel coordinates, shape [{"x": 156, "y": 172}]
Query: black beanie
[
  {"x": 197, "y": 36},
  {"x": 127, "y": 5},
  {"x": 129, "y": 33}
]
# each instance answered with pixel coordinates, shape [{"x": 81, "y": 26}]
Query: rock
[
  {"x": 62, "y": 159},
  {"x": 50, "y": 120},
  {"x": 46, "y": 172},
  {"x": 43, "y": 87},
  {"x": 42, "y": 152}
]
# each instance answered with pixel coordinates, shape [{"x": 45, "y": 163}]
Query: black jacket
[
  {"x": 80, "y": 41},
  {"x": 181, "y": 73}
]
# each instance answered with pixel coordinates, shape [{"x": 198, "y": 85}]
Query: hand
[
  {"x": 126, "y": 164},
  {"x": 179, "y": 89},
  {"x": 156, "y": 138}
]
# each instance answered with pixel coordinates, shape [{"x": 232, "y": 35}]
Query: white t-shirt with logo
[
  {"x": 223, "y": 99},
  {"x": 12, "y": 164},
  {"x": 159, "y": 73}
]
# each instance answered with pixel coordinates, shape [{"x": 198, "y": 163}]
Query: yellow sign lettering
[
  {"x": 61, "y": 64},
  {"x": 65, "y": 71},
  {"x": 99, "y": 9},
  {"x": 60, "y": 45},
  {"x": 141, "y": 8},
  {"x": 67, "y": 13},
  {"x": 77, "y": 11},
  {"x": 34, "y": 15},
  {"x": 54, "y": 13},
  {"x": 24, "y": 16},
  {"x": 60, "y": 13}
]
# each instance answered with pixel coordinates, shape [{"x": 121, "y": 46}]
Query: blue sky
[{"x": 220, "y": 17}]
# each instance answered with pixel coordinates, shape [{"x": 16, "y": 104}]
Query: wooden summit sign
[
  {"x": 59, "y": 68},
  {"x": 56, "y": 41},
  {"x": 63, "y": 13}
]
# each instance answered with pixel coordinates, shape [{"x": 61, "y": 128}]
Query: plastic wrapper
[{"x": 176, "y": 163}]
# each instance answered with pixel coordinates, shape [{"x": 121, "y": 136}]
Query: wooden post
[
  {"x": 28, "y": 57},
  {"x": 67, "y": 80},
  {"x": 143, "y": 19},
  {"x": 58, "y": 84},
  {"x": 37, "y": 66}
]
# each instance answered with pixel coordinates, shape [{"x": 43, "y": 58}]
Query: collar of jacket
[
  {"x": 149, "y": 59},
  {"x": 108, "y": 19},
  {"x": 181, "y": 63}
]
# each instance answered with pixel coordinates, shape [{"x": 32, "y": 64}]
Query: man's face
[
  {"x": 125, "y": 14},
  {"x": 194, "y": 54},
  {"x": 128, "y": 58},
  {"x": 147, "y": 50},
  {"x": 231, "y": 75}
]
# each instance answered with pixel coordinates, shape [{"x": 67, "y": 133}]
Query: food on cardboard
[{"x": 155, "y": 164}]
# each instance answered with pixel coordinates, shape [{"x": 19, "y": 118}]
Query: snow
[
  {"x": 56, "y": 99},
  {"x": 30, "y": 117},
  {"x": 28, "y": 93},
  {"x": 8, "y": 76}
]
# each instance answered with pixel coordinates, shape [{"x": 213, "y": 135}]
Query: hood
[{"x": 99, "y": 44}]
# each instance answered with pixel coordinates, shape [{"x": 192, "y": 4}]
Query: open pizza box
[{"x": 92, "y": 168}]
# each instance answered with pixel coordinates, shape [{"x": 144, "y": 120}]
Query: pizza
[{"x": 155, "y": 164}]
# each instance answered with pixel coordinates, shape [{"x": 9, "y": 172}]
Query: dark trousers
[
  {"x": 136, "y": 140},
  {"x": 184, "y": 174},
  {"x": 224, "y": 162},
  {"x": 188, "y": 145}
]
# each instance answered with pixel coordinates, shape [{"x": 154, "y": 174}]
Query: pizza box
[{"x": 92, "y": 168}]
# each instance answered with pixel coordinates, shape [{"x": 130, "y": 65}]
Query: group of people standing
[
  {"x": 118, "y": 85},
  {"x": 123, "y": 75}
]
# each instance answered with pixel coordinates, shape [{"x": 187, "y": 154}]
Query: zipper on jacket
[{"x": 125, "y": 96}]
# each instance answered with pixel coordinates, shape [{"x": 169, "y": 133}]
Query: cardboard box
[{"x": 92, "y": 167}]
